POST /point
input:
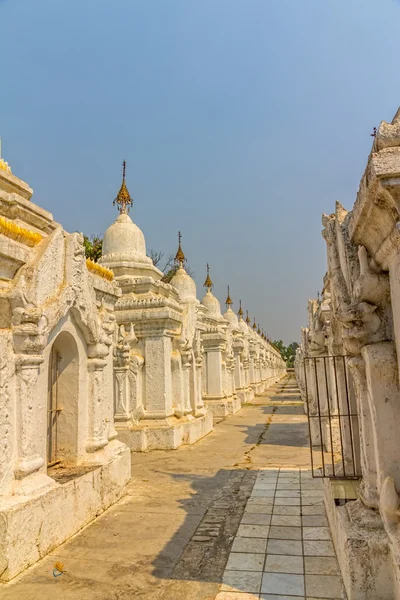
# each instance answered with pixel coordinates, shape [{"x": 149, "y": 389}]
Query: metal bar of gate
[
  {"x": 329, "y": 417},
  {"x": 319, "y": 414},
  {"x": 308, "y": 417},
  {"x": 340, "y": 419},
  {"x": 311, "y": 373},
  {"x": 350, "y": 417}
]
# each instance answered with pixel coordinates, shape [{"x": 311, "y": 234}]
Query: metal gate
[{"x": 332, "y": 418}]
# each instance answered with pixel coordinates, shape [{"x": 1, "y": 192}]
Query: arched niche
[{"x": 63, "y": 400}]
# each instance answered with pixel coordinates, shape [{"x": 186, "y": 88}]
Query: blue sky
[{"x": 240, "y": 121}]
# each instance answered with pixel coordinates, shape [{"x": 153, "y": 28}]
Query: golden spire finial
[
  {"x": 228, "y": 300},
  {"x": 123, "y": 198},
  {"x": 258, "y": 330},
  {"x": 240, "y": 311},
  {"x": 208, "y": 283},
  {"x": 254, "y": 324},
  {"x": 180, "y": 257},
  {"x": 247, "y": 317}
]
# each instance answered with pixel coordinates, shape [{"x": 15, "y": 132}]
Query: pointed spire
[
  {"x": 247, "y": 317},
  {"x": 123, "y": 198},
  {"x": 240, "y": 311},
  {"x": 258, "y": 330},
  {"x": 208, "y": 283},
  {"x": 254, "y": 324},
  {"x": 228, "y": 300},
  {"x": 180, "y": 257}
]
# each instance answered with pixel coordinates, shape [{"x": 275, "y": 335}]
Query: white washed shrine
[
  {"x": 97, "y": 360},
  {"x": 358, "y": 316}
]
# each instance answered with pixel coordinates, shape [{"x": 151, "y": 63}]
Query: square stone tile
[
  {"x": 289, "y": 472},
  {"x": 258, "y": 500},
  {"x": 326, "y": 586},
  {"x": 311, "y": 485},
  {"x": 285, "y": 533},
  {"x": 286, "y": 520},
  {"x": 286, "y": 510},
  {"x": 283, "y": 583},
  {"x": 240, "y": 561},
  {"x": 288, "y": 486},
  {"x": 241, "y": 581},
  {"x": 264, "y": 486},
  {"x": 306, "y": 472},
  {"x": 308, "y": 501},
  {"x": 276, "y": 563},
  {"x": 287, "y": 493},
  {"x": 317, "y": 548},
  {"x": 288, "y": 480},
  {"x": 258, "y": 509},
  {"x": 236, "y": 596},
  {"x": 287, "y": 501},
  {"x": 312, "y": 493},
  {"x": 321, "y": 565},
  {"x": 314, "y": 521},
  {"x": 257, "y": 519},
  {"x": 289, "y": 547},
  {"x": 253, "y": 545},
  {"x": 280, "y": 597},
  {"x": 262, "y": 493},
  {"x": 319, "y": 509},
  {"x": 316, "y": 533},
  {"x": 253, "y": 531}
]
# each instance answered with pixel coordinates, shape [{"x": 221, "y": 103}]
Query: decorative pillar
[
  {"x": 158, "y": 377},
  {"x": 28, "y": 416},
  {"x": 97, "y": 433}
]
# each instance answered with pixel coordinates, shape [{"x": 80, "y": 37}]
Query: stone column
[
  {"x": 311, "y": 405},
  {"x": 97, "y": 437},
  {"x": 214, "y": 344},
  {"x": 382, "y": 381},
  {"x": 200, "y": 407},
  {"x": 122, "y": 396},
  {"x": 394, "y": 278},
  {"x": 187, "y": 381},
  {"x": 368, "y": 488},
  {"x": 158, "y": 377},
  {"x": 252, "y": 374},
  {"x": 29, "y": 415},
  {"x": 214, "y": 371},
  {"x": 238, "y": 369}
]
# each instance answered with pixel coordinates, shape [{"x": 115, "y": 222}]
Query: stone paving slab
[{"x": 299, "y": 561}]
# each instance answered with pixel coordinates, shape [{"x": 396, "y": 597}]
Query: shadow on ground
[{"x": 169, "y": 538}]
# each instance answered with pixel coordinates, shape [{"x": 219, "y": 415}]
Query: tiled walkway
[{"x": 283, "y": 548}]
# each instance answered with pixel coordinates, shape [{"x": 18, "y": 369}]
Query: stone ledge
[
  {"x": 362, "y": 548},
  {"x": 36, "y": 525},
  {"x": 165, "y": 435}
]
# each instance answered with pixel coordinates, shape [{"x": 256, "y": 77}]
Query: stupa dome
[
  {"x": 213, "y": 305},
  {"x": 124, "y": 246},
  {"x": 124, "y": 237},
  {"x": 243, "y": 327},
  {"x": 184, "y": 284},
  {"x": 232, "y": 319}
]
